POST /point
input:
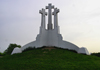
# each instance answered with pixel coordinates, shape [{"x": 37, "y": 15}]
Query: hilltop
[{"x": 49, "y": 59}]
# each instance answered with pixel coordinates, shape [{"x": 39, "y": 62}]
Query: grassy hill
[{"x": 49, "y": 59}]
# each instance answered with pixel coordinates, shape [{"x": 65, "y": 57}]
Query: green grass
[{"x": 56, "y": 59}]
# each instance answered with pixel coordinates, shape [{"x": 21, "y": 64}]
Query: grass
[{"x": 54, "y": 59}]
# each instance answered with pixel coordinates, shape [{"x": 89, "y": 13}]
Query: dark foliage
[
  {"x": 1, "y": 54},
  {"x": 10, "y": 48},
  {"x": 96, "y": 54},
  {"x": 31, "y": 48},
  {"x": 61, "y": 48},
  {"x": 28, "y": 49}
]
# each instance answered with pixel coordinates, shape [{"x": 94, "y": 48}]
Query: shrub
[
  {"x": 10, "y": 48},
  {"x": 2, "y": 54},
  {"x": 28, "y": 49},
  {"x": 96, "y": 54}
]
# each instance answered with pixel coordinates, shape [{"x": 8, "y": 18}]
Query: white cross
[
  {"x": 49, "y": 7},
  {"x": 43, "y": 12},
  {"x": 55, "y": 17},
  {"x": 43, "y": 17},
  {"x": 55, "y": 11}
]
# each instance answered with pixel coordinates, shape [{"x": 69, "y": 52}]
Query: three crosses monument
[{"x": 50, "y": 36}]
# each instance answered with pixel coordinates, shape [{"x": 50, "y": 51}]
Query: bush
[
  {"x": 96, "y": 54},
  {"x": 2, "y": 54},
  {"x": 28, "y": 49},
  {"x": 10, "y": 48}
]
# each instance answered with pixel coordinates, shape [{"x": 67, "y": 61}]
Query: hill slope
[{"x": 53, "y": 59}]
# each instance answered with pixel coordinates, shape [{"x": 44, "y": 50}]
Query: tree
[
  {"x": 96, "y": 54},
  {"x": 10, "y": 48}
]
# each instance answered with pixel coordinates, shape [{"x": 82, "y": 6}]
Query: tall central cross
[{"x": 49, "y": 7}]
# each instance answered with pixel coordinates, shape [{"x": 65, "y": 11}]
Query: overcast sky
[{"x": 79, "y": 21}]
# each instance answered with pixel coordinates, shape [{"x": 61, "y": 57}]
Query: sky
[{"x": 79, "y": 22}]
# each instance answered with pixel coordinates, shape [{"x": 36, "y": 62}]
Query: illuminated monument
[{"x": 51, "y": 36}]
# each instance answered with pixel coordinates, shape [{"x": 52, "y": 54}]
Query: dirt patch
[
  {"x": 44, "y": 52},
  {"x": 49, "y": 48},
  {"x": 1, "y": 56}
]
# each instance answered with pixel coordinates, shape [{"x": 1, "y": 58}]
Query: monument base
[{"x": 52, "y": 38}]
